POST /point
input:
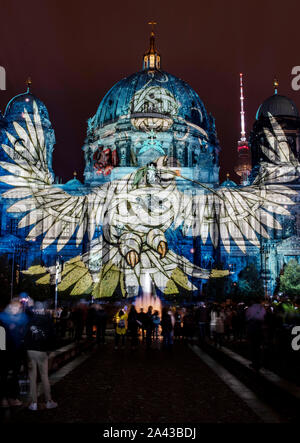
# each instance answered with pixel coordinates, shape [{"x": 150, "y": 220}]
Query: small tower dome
[{"x": 277, "y": 105}]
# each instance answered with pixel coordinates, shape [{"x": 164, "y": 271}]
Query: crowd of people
[
  {"x": 146, "y": 324},
  {"x": 33, "y": 331}
]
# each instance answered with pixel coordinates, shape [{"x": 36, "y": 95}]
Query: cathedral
[{"x": 148, "y": 115}]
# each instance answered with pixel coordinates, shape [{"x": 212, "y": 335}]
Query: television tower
[{"x": 243, "y": 167}]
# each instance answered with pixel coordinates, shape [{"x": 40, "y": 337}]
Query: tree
[
  {"x": 249, "y": 282},
  {"x": 290, "y": 279}
]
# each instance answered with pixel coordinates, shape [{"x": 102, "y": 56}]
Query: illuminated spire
[
  {"x": 244, "y": 166},
  {"x": 243, "y": 133},
  {"x": 152, "y": 56},
  {"x": 28, "y": 83},
  {"x": 275, "y": 85}
]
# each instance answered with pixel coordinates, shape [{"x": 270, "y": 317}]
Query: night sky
[{"x": 76, "y": 51}]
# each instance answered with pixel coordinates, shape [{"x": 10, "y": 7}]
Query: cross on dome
[{"x": 152, "y": 56}]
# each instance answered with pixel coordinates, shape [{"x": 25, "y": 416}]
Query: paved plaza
[{"x": 142, "y": 386}]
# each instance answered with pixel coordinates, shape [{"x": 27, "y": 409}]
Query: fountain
[{"x": 148, "y": 297}]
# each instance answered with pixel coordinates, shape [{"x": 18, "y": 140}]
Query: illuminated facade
[{"x": 151, "y": 204}]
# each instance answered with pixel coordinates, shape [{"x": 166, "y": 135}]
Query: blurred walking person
[
  {"x": 90, "y": 321},
  {"x": 167, "y": 329},
  {"x": 14, "y": 321},
  {"x": 255, "y": 316},
  {"x": 78, "y": 321},
  {"x": 64, "y": 316},
  {"x": 188, "y": 325},
  {"x": 177, "y": 327},
  {"x": 39, "y": 341},
  {"x": 101, "y": 322},
  {"x": 217, "y": 325},
  {"x": 201, "y": 320}
]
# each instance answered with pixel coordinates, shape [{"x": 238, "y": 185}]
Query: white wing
[
  {"x": 244, "y": 213},
  {"x": 239, "y": 213},
  {"x": 54, "y": 213}
]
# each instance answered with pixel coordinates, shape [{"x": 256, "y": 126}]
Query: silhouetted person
[
  {"x": 167, "y": 329},
  {"x": 64, "y": 316},
  {"x": 101, "y": 322},
  {"x": 255, "y": 316},
  {"x": 142, "y": 317},
  {"x": 201, "y": 320},
  {"x": 133, "y": 326},
  {"x": 15, "y": 322},
  {"x": 77, "y": 318},
  {"x": 90, "y": 321},
  {"x": 217, "y": 319},
  {"x": 177, "y": 326},
  {"x": 149, "y": 327},
  {"x": 188, "y": 325},
  {"x": 156, "y": 323}
]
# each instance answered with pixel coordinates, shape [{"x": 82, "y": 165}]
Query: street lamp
[
  {"x": 55, "y": 278},
  {"x": 57, "y": 272},
  {"x": 265, "y": 250}
]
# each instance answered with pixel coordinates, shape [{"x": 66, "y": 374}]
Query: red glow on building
[{"x": 243, "y": 147}]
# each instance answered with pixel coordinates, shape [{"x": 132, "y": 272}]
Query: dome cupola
[
  {"x": 14, "y": 113},
  {"x": 152, "y": 56},
  {"x": 277, "y": 105},
  {"x": 15, "y": 107},
  {"x": 284, "y": 110}
]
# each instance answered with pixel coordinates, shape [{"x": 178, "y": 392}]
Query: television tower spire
[
  {"x": 244, "y": 166},
  {"x": 243, "y": 133}
]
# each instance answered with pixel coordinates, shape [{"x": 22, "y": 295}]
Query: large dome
[
  {"x": 148, "y": 115},
  {"x": 118, "y": 101},
  {"x": 278, "y": 106}
]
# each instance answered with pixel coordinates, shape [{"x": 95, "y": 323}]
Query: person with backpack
[
  {"x": 39, "y": 341},
  {"x": 167, "y": 329},
  {"x": 121, "y": 328},
  {"x": 156, "y": 323}
]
